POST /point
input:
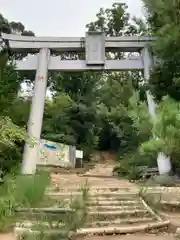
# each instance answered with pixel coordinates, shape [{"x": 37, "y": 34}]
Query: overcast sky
[{"x": 59, "y": 17}]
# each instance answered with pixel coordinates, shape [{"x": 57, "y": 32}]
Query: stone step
[
  {"x": 127, "y": 229},
  {"x": 84, "y": 180},
  {"x": 120, "y": 221},
  {"x": 93, "y": 215},
  {"x": 113, "y": 208},
  {"x": 56, "y": 224},
  {"x": 119, "y": 195},
  {"x": 33, "y": 224},
  {"x": 93, "y": 210},
  {"x": 163, "y": 189},
  {"x": 112, "y": 202},
  {"x": 100, "y": 201},
  {"x": 54, "y": 210},
  {"x": 117, "y": 213},
  {"x": 124, "y": 229},
  {"x": 121, "y": 200},
  {"x": 93, "y": 189},
  {"x": 104, "y": 201},
  {"x": 113, "y": 214},
  {"x": 95, "y": 175}
]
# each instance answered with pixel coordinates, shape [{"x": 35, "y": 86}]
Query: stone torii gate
[{"x": 94, "y": 45}]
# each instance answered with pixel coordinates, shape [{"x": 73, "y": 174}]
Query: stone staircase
[{"x": 113, "y": 206}]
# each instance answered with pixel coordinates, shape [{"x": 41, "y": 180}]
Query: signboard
[
  {"x": 95, "y": 48},
  {"x": 53, "y": 154}
]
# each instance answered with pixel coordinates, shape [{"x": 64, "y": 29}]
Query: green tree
[
  {"x": 112, "y": 21},
  {"x": 57, "y": 125},
  {"x": 163, "y": 18},
  {"x": 116, "y": 21},
  {"x": 70, "y": 122},
  {"x": 4, "y": 25},
  {"x": 16, "y": 28},
  {"x": 98, "y": 100},
  {"x": 116, "y": 89},
  {"x": 88, "y": 107},
  {"x": 116, "y": 126},
  {"x": 12, "y": 114},
  {"x": 13, "y": 27},
  {"x": 10, "y": 133}
]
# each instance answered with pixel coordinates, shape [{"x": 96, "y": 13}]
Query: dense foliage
[
  {"x": 11, "y": 135},
  {"x": 163, "y": 18}
]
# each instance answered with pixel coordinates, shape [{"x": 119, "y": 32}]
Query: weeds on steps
[
  {"x": 161, "y": 199},
  {"x": 62, "y": 225},
  {"x": 20, "y": 191},
  {"x": 153, "y": 200}
]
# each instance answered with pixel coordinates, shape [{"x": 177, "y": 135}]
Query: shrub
[
  {"x": 30, "y": 190},
  {"x": 20, "y": 191},
  {"x": 166, "y": 130},
  {"x": 10, "y": 135},
  {"x": 64, "y": 224},
  {"x": 7, "y": 212},
  {"x": 129, "y": 164},
  {"x": 164, "y": 180}
]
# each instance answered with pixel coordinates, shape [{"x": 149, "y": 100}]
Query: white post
[
  {"x": 30, "y": 156},
  {"x": 163, "y": 161}
]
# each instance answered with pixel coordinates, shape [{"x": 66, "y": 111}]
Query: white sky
[{"x": 59, "y": 17}]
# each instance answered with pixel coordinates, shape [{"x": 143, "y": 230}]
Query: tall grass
[
  {"x": 62, "y": 225},
  {"x": 20, "y": 191}
]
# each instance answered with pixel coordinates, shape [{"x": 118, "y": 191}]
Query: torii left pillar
[{"x": 31, "y": 150}]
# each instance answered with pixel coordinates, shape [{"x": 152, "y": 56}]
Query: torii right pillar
[{"x": 163, "y": 161}]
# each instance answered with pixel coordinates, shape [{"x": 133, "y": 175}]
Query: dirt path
[
  {"x": 103, "y": 170},
  {"x": 7, "y": 236},
  {"x": 72, "y": 181}
]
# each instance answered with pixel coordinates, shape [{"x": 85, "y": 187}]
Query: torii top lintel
[{"x": 19, "y": 43}]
